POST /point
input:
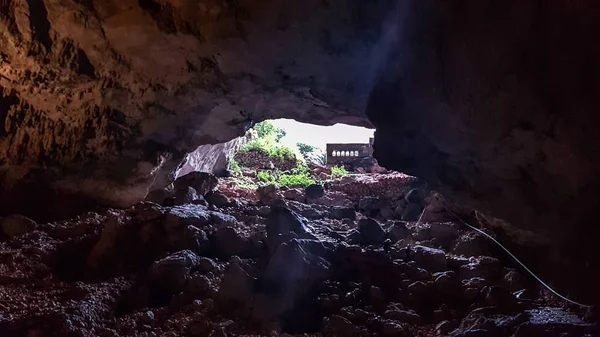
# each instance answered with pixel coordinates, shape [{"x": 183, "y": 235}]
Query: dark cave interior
[{"x": 493, "y": 105}]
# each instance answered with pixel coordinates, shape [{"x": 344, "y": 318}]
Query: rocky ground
[{"x": 349, "y": 258}]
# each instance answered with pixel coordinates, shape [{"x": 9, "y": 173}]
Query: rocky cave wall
[{"x": 494, "y": 103}]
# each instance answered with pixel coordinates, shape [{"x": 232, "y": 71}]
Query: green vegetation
[
  {"x": 305, "y": 148},
  {"x": 233, "y": 166},
  {"x": 296, "y": 177},
  {"x": 266, "y": 177},
  {"x": 338, "y": 171},
  {"x": 266, "y": 129},
  {"x": 272, "y": 149},
  {"x": 268, "y": 141}
]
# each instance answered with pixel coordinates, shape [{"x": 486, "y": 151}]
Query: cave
[{"x": 490, "y": 104}]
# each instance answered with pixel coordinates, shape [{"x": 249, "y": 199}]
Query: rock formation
[{"x": 494, "y": 103}]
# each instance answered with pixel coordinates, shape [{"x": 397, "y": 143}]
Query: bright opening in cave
[{"x": 319, "y": 136}]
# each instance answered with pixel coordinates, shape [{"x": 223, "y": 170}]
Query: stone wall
[{"x": 342, "y": 153}]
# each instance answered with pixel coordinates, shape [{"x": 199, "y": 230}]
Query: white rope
[{"x": 516, "y": 259}]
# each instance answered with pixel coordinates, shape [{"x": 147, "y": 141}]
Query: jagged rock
[
  {"x": 229, "y": 242},
  {"x": 171, "y": 273},
  {"x": 16, "y": 225},
  {"x": 180, "y": 216},
  {"x": 430, "y": 258},
  {"x": 343, "y": 213},
  {"x": 189, "y": 238},
  {"x": 371, "y": 231},
  {"x": 443, "y": 328},
  {"x": 185, "y": 195},
  {"x": 237, "y": 285},
  {"x": 393, "y": 329},
  {"x": 264, "y": 211},
  {"x": 212, "y": 158},
  {"x": 444, "y": 233},
  {"x": 403, "y": 315},
  {"x": 282, "y": 220},
  {"x": 107, "y": 242},
  {"x": 371, "y": 205},
  {"x": 294, "y": 269},
  {"x": 471, "y": 244},
  {"x": 158, "y": 196},
  {"x": 513, "y": 280},
  {"x": 218, "y": 199},
  {"x": 222, "y": 219},
  {"x": 334, "y": 199},
  {"x": 202, "y": 182},
  {"x": 500, "y": 298},
  {"x": 397, "y": 231},
  {"x": 549, "y": 321},
  {"x": 294, "y": 194},
  {"x": 313, "y": 192},
  {"x": 206, "y": 265},
  {"x": 267, "y": 193},
  {"x": 339, "y": 326},
  {"x": 485, "y": 267},
  {"x": 412, "y": 212}
]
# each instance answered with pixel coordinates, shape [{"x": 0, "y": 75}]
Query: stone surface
[
  {"x": 497, "y": 111},
  {"x": 16, "y": 225},
  {"x": 202, "y": 182},
  {"x": 371, "y": 231}
]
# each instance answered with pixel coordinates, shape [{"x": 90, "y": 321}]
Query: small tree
[
  {"x": 267, "y": 129},
  {"x": 305, "y": 148}
]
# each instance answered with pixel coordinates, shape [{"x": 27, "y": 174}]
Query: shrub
[
  {"x": 338, "y": 171},
  {"x": 295, "y": 180},
  {"x": 233, "y": 166},
  {"x": 273, "y": 150},
  {"x": 266, "y": 177}
]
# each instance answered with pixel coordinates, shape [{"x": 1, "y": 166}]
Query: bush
[
  {"x": 295, "y": 180},
  {"x": 273, "y": 150},
  {"x": 338, "y": 171},
  {"x": 233, "y": 166},
  {"x": 296, "y": 177},
  {"x": 266, "y": 177}
]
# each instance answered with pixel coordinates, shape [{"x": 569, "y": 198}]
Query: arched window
[
  {"x": 356, "y": 153},
  {"x": 334, "y": 153}
]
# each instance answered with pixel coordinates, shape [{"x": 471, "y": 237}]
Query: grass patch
[
  {"x": 338, "y": 171},
  {"x": 296, "y": 177}
]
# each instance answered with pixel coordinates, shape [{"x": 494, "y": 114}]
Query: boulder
[
  {"x": 229, "y": 242},
  {"x": 294, "y": 269},
  {"x": 339, "y": 326},
  {"x": 343, "y": 213},
  {"x": 107, "y": 242},
  {"x": 431, "y": 259},
  {"x": 397, "y": 231},
  {"x": 218, "y": 199},
  {"x": 180, "y": 216},
  {"x": 189, "y": 238},
  {"x": 472, "y": 244},
  {"x": 267, "y": 194},
  {"x": 185, "y": 195},
  {"x": 282, "y": 220},
  {"x": 412, "y": 212},
  {"x": 15, "y": 225},
  {"x": 314, "y": 191},
  {"x": 171, "y": 273},
  {"x": 237, "y": 285},
  {"x": 294, "y": 194},
  {"x": 202, "y": 182},
  {"x": 371, "y": 231}
]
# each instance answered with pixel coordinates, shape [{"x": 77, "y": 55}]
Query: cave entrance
[{"x": 276, "y": 144}]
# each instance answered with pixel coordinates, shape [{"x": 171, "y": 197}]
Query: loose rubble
[{"x": 341, "y": 260}]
